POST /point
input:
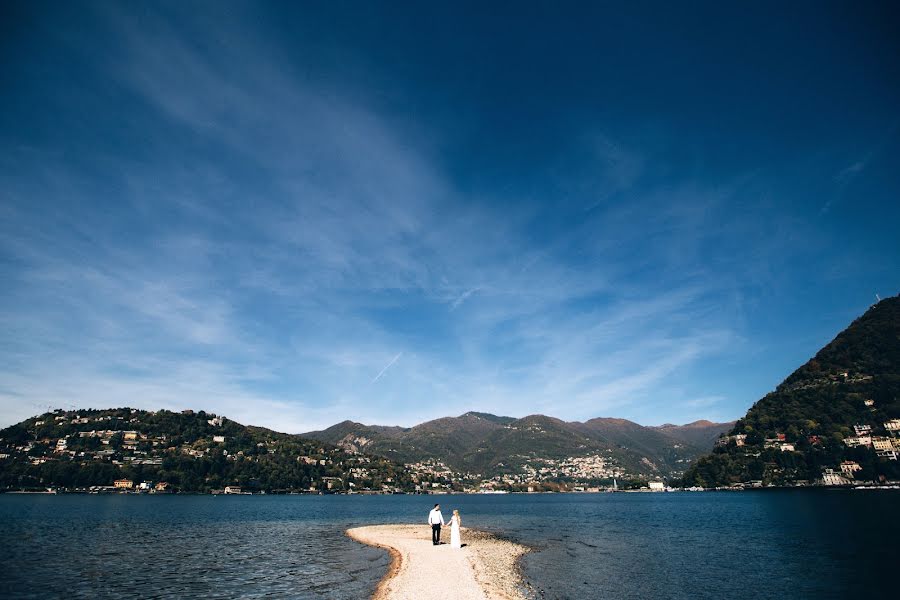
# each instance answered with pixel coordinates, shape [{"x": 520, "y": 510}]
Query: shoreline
[
  {"x": 891, "y": 486},
  {"x": 485, "y": 568}
]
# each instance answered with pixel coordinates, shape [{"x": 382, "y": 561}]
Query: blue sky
[{"x": 298, "y": 213}]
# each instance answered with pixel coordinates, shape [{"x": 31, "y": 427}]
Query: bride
[{"x": 455, "y": 523}]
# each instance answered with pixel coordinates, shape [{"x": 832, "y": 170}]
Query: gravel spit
[{"x": 485, "y": 568}]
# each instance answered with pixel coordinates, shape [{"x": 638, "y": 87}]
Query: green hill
[
  {"x": 191, "y": 452},
  {"x": 813, "y": 420},
  {"x": 653, "y": 450}
]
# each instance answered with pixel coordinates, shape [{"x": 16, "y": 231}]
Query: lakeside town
[
  {"x": 135, "y": 457},
  {"x": 846, "y": 473},
  {"x": 109, "y": 439},
  {"x": 571, "y": 474}
]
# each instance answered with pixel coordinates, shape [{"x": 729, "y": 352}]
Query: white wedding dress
[{"x": 455, "y": 542}]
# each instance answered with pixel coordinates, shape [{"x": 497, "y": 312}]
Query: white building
[
  {"x": 863, "y": 440},
  {"x": 738, "y": 439},
  {"x": 831, "y": 477},
  {"x": 893, "y": 425},
  {"x": 657, "y": 486},
  {"x": 882, "y": 443},
  {"x": 219, "y": 439},
  {"x": 862, "y": 429}
]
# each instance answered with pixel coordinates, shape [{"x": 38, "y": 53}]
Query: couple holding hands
[{"x": 436, "y": 520}]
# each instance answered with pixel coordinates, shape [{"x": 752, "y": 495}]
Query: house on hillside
[
  {"x": 882, "y": 443},
  {"x": 849, "y": 467},
  {"x": 863, "y": 440},
  {"x": 738, "y": 439},
  {"x": 779, "y": 443},
  {"x": 332, "y": 482}
]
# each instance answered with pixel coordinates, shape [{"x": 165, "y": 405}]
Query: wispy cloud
[
  {"x": 845, "y": 177},
  {"x": 256, "y": 243}
]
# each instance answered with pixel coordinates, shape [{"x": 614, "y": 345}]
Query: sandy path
[{"x": 485, "y": 569}]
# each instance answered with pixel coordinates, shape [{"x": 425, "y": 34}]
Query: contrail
[
  {"x": 462, "y": 298},
  {"x": 388, "y": 366}
]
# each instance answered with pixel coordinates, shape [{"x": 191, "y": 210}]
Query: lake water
[{"x": 796, "y": 544}]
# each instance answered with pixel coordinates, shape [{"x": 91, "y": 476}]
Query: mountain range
[
  {"x": 835, "y": 420},
  {"x": 488, "y": 445},
  {"x": 86, "y": 449}
]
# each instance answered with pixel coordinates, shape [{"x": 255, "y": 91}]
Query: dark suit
[
  {"x": 436, "y": 534},
  {"x": 435, "y": 519}
]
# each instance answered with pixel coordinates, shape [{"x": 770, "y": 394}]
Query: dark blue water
[{"x": 800, "y": 544}]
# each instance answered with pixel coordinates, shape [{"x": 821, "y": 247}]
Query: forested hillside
[
  {"x": 492, "y": 445},
  {"x": 190, "y": 452},
  {"x": 836, "y": 412}
]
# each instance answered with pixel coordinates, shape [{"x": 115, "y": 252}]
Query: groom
[{"x": 436, "y": 519}]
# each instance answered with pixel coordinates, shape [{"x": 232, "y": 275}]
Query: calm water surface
[{"x": 801, "y": 544}]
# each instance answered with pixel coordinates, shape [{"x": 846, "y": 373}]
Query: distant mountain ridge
[
  {"x": 488, "y": 444},
  {"x": 835, "y": 420},
  {"x": 702, "y": 434}
]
